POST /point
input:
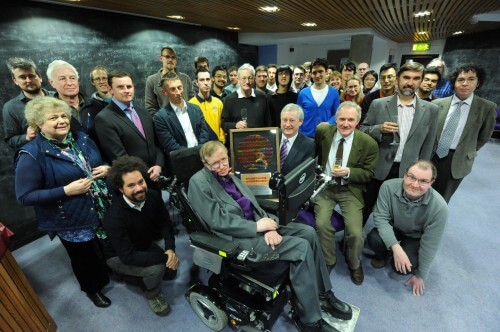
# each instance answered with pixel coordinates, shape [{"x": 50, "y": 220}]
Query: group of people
[{"x": 389, "y": 151}]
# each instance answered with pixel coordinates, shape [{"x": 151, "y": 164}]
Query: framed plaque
[{"x": 255, "y": 156}]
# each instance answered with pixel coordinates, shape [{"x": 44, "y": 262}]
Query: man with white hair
[{"x": 444, "y": 87}]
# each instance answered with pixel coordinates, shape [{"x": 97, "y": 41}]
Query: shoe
[
  {"x": 333, "y": 306},
  {"x": 319, "y": 326},
  {"x": 378, "y": 262},
  {"x": 357, "y": 275},
  {"x": 99, "y": 299},
  {"x": 159, "y": 305}
]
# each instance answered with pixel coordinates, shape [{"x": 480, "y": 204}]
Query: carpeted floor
[{"x": 461, "y": 293}]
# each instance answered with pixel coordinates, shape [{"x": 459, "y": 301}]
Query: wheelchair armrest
[{"x": 214, "y": 244}]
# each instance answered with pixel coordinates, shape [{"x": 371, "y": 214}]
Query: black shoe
[
  {"x": 99, "y": 299},
  {"x": 319, "y": 326},
  {"x": 333, "y": 306}
]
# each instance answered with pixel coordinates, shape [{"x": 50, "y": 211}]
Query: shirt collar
[
  {"x": 290, "y": 140},
  {"x": 412, "y": 104},
  {"x": 178, "y": 109},
  {"x": 348, "y": 138},
  {"x": 132, "y": 205},
  {"x": 201, "y": 99},
  {"x": 122, "y": 105},
  {"x": 467, "y": 101},
  {"x": 242, "y": 95}
]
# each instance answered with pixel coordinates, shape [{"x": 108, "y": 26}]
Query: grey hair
[
  {"x": 60, "y": 64},
  {"x": 349, "y": 104},
  {"x": 21, "y": 63},
  {"x": 246, "y": 66},
  {"x": 293, "y": 107}
]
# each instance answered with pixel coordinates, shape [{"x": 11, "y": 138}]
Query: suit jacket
[
  {"x": 302, "y": 149},
  {"x": 219, "y": 210},
  {"x": 477, "y": 131},
  {"x": 361, "y": 161},
  {"x": 169, "y": 129},
  {"x": 420, "y": 141},
  {"x": 118, "y": 136}
]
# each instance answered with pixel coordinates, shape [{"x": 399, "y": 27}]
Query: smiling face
[
  {"x": 65, "y": 82},
  {"x": 335, "y": 81},
  {"x": 353, "y": 87},
  {"x": 290, "y": 123},
  {"x": 122, "y": 89},
  {"x": 100, "y": 81},
  {"x": 369, "y": 81},
  {"x": 27, "y": 80},
  {"x": 347, "y": 119},
  {"x": 429, "y": 83},
  {"x": 220, "y": 79},
  {"x": 55, "y": 124},
  {"x": 417, "y": 181},
  {"x": 283, "y": 78},
  {"x": 466, "y": 84},
  {"x": 134, "y": 187}
]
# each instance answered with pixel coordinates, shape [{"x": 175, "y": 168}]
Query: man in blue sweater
[{"x": 319, "y": 101}]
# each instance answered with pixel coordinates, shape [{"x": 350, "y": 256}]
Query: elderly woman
[
  {"x": 61, "y": 174},
  {"x": 370, "y": 80},
  {"x": 353, "y": 91}
]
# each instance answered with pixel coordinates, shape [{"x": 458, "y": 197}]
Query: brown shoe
[
  {"x": 357, "y": 275},
  {"x": 378, "y": 262}
]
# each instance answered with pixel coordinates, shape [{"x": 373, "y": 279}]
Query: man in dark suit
[
  {"x": 405, "y": 128},
  {"x": 232, "y": 212},
  {"x": 180, "y": 124},
  {"x": 125, "y": 129},
  {"x": 459, "y": 138},
  {"x": 357, "y": 153},
  {"x": 298, "y": 146}
]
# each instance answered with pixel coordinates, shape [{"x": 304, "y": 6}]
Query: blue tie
[{"x": 449, "y": 132}]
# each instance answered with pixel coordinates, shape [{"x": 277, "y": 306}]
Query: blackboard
[{"x": 86, "y": 38}]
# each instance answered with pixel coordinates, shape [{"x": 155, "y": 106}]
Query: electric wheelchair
[{"x": 243, "y": 291}]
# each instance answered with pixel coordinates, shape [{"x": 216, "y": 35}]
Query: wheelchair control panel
[{"x": 255, "y": 257}]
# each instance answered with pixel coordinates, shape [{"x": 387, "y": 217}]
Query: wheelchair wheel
[{"x": 208, "y": 312}]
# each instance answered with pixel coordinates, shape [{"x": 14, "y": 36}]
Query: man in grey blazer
[
  {"x": 405, "y": 128},
  {"x": 299, "y": 146},
  {"x": 457, "y": 145},
  {"x": 119, "y": 135},
  {"x": 232, "y": 212}
]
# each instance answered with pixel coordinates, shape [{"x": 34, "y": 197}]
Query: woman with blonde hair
[
  {"x": 61, "y": 174},
  {"x": 353, "y": 90}
]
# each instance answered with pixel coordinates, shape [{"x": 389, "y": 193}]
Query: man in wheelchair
[{"x": 232, "y": 212}]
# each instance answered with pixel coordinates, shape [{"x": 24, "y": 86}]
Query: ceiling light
[
  {"x": 458, "y": 32},
  {"x": 176, "y": 17},
  {"x": 421, "y": 14},
  {"x": 269, "y": 9},
  {"x": 309, "y": 24},
  {"x": 233, "y": 28},
  {"x": 422, "y": 32}
]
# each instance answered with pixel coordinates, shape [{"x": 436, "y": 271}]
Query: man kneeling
[
  {"x": 232, "y": 212},
  {"x": 133, "y": 222}
]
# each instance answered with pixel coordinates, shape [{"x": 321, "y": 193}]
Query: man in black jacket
[{"x": 133, "y": 222}]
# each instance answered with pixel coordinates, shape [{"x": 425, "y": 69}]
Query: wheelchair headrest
[{"x": 185, "y": 163}]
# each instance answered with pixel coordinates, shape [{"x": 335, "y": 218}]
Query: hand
[
  {"x": 417, "y": 285},
  {"x": 77, "y": 187},
  {"x": 389, "y": 127},
  {"x": 401, "y": 261},
  {"x": 100, "y": 172},
  {"x": 266, "y": 224},
  {"x": 340, "y": 172},
  {"x": 172, "y": 259},
  {"x": 273, "y": 239},
  {"x": 154, "y": 173},
  {"x": 30, "y": 133},
  {"x": 241, "y": 125}
]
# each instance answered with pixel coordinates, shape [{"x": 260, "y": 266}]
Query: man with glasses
[
  {"x": 387, "y": 80},
  {"x": 247, "y": 98},
  {"x": 410, "y": 218},
  {"x": 219, "y": 79},
  {"x": 154, "y": 98},
  {"x": 298, "y": 83},
  {"x": 232, "y": 212},
  {"x": 460, "y": 138},
  {"x": 27, "y": 77}
]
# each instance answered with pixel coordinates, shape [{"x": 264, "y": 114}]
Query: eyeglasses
[
  {"x": 173, "y": 57},
  {"x": 422, "y": 182},
  {"x": 217, "y": 164}
]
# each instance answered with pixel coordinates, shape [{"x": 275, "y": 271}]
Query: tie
[
  {"x": 283, "y": 153},
  {"x": 449, "y": 132},
  {"x": 339, "y": 155},
  {"x": 136, "y": 120}
]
